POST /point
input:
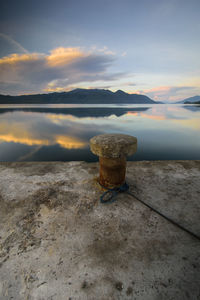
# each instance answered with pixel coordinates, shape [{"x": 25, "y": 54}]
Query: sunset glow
[
  {"x": 87, "y": 44},
  {"x": 62, "y": 56}
]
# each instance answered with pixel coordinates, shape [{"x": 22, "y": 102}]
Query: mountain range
[
  {"x": 79, "y": 96},
  {"x": 195, "y": 99}
]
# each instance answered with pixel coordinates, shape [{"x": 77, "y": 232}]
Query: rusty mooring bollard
[{"x": 112, "y": 150}]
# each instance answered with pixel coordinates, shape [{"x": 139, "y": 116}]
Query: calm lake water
[{"x": 62, "y": 132}]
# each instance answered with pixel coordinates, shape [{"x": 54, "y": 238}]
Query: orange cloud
[
  {"x": 57, "y": 71},
  {"x": 159, "y": 89},
  {"x": 62, "y": 56},
  {"x": 58, "y": 57},
  {"x": 14, "y": 59},
  {"x": 54, "y": 89}
]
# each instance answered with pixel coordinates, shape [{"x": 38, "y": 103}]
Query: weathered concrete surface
[{"x": 58, "y": 242}]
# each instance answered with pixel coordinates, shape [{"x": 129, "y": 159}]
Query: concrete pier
[{"x": 57, "y": 241}]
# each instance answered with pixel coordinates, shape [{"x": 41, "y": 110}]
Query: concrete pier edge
[{"x": 57, "y": 241}]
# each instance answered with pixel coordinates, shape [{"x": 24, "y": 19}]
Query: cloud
[
  {"x": 171, "y": 93},
  {"x": 61, "y": 68},
  {"x": 62, "y": 56},
  {"x": 124, "y": 53}
]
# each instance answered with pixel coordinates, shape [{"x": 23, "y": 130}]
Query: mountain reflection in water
[
  {"x": 62, "y": 133},
  {"x": 79, "y": 111}
]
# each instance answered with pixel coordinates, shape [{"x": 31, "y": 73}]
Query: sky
[{"x": 149, "y": 47}]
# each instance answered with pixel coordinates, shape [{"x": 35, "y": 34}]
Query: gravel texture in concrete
[
  {"x": 113, "y": 145},
  {"x": 57, "y": 241}
]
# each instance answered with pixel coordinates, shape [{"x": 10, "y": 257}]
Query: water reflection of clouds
[
  {"x": 161, "y": 127},
  {"x": 189, "y": 123},
  {"x": 41, "y": 129},
  {"x": 174, "y": 115},
  {"x": 38, "y": 130}
]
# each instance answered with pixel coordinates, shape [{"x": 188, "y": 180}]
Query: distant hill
[
  {"x": 198, "y": 102},
  {"x": 191, "y": 100},
  {"x": 79, "y": 96}
]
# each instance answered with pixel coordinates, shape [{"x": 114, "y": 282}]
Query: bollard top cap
[{"x": 113, "y": 145}]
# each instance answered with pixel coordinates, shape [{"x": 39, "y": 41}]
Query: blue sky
[{"x": 148, "y": 46}]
